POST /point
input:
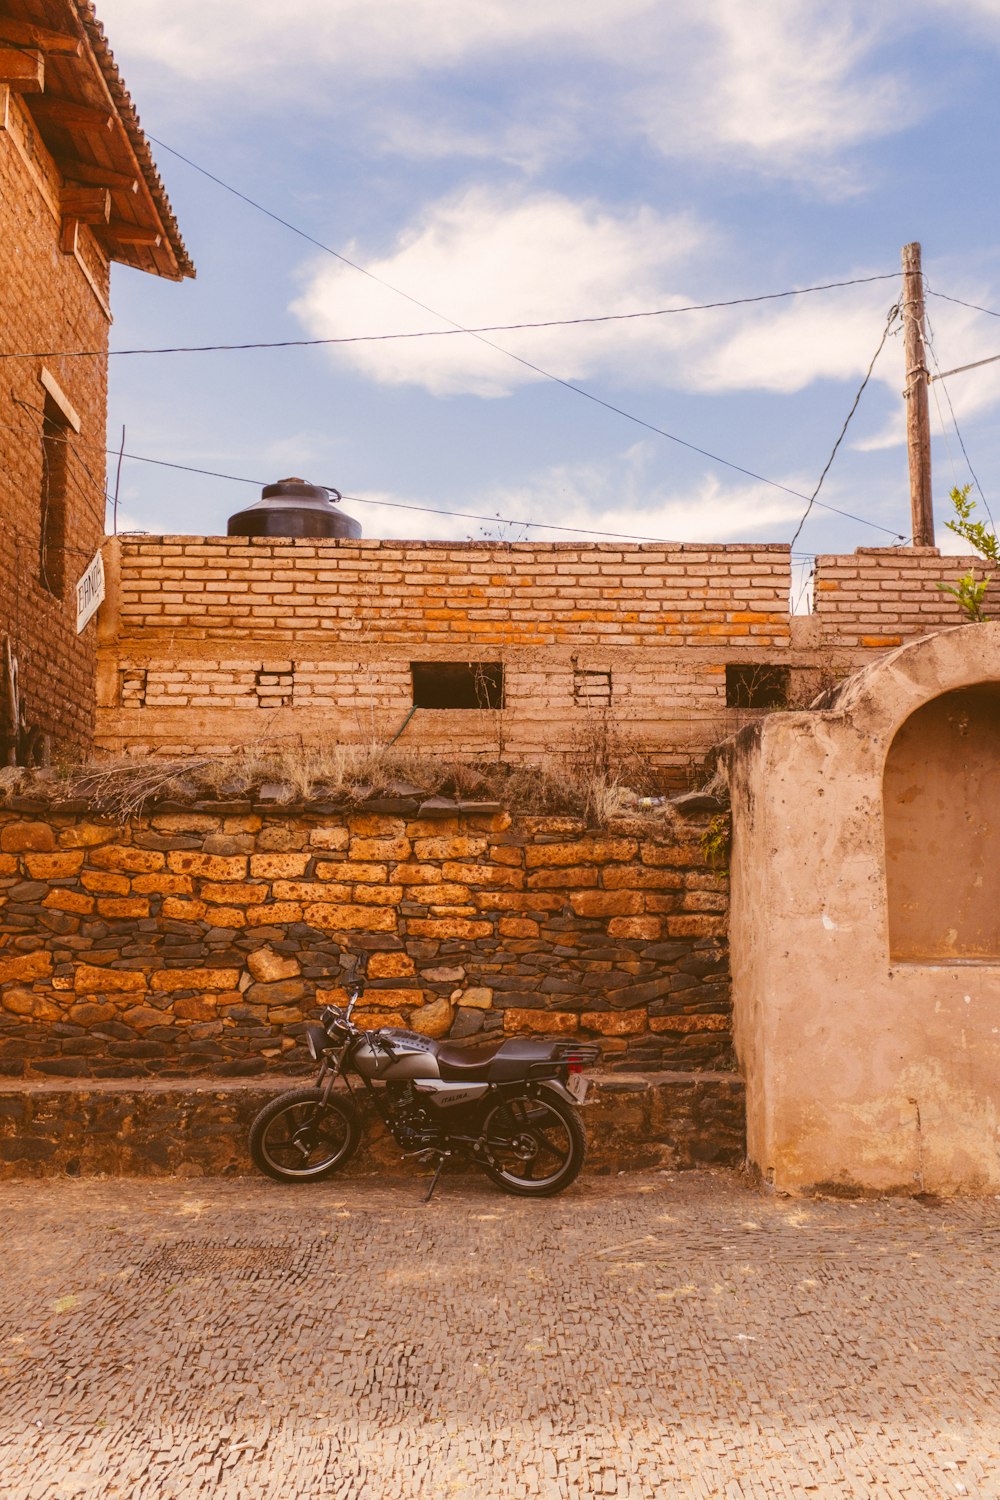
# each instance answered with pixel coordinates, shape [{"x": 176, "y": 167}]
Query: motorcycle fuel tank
[{"x": 407, "y": 1055}]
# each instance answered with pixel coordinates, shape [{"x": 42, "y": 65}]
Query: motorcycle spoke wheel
[
  {"x": 537, "y": 1145},
  {"x": 298, "y": 1138}
]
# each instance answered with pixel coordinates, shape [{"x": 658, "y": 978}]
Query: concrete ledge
[{"x": 198, "y": 1127}]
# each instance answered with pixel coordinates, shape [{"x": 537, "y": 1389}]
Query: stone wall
[
  {"x": 48, "y": 300},
  {"x": 155, "y": 1129},
  {"x": 200, "y": 939},
  {"x": 210, "y": 642}
]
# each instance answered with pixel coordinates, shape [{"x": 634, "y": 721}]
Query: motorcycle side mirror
[{"x": 353, "y": 996}]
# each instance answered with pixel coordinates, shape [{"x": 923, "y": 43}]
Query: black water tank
[{"x": 293, "y": 508}]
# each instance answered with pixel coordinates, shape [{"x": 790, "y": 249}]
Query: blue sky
[{"x": 517, "y": 160}]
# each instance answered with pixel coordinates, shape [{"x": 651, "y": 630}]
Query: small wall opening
[
  {"x": 56, "y": 436},
  {"x": 941, "y": 799},
  {"x": 756, "y": 685},
  {"x": 591, "y": 689},
  {"x": 458, "y": 684}
]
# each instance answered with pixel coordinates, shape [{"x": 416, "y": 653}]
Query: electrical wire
[
  {"x": 890, "y": 320},
  {"x": 443, "y": 333},
  {"x": 929, "y": 345},
  {"x": 568, "y": 385},
  {"x": 961, "y": 303},
  {"x": 466, "y": 515}
]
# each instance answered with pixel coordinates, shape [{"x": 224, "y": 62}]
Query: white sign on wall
[{"x": 89, "y": 592}]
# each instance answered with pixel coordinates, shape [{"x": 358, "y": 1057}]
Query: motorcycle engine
[{"x": 411, "y": 1123}]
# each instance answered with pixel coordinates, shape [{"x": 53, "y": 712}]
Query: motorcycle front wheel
[
  {"x": 537, "y": 1144},
  {"x": 298, "y": 1138}
]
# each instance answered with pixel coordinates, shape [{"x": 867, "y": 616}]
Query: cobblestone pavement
[{"x": 642, "y": 1336}]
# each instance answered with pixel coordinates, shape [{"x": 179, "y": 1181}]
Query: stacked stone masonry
[
  {"x": 208, "y": 643},
  {"x": 200, "y": 941},
  {"x": 49, "y": 300}
]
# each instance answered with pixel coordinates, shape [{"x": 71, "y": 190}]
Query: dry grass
[{"x": 605, "y": 781}]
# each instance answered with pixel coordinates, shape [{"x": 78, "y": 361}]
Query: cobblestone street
[{"x": 643, "y": 1336}]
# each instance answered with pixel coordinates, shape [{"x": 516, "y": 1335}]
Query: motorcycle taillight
[{"x": 575, "y": 1067}]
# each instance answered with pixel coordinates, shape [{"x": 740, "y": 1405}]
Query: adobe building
[
  {"x": 78, "y": 191},
  {"x": 517, "y": 652},
  {"x": 865, "y": 927}
]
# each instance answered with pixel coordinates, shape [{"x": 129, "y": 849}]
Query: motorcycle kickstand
[{"x": 442, "y": 1158}]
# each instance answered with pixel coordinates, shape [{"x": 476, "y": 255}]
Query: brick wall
[
  {"x": 216, "y": 642},
  {"x": 48, "y": 301},
  {"x": 201, "y": 940},
  {"x": 879, "y": 597}
]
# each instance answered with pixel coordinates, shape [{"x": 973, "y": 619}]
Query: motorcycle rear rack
[{"x": 578, "y": 1054}]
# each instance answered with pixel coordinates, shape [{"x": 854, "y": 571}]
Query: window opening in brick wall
[
  {"x": 756, "y": 685},
  {"x": 591, "y": 689},
  {"x": 57, "y": 434},
  {"x": 457, "y": 684}
]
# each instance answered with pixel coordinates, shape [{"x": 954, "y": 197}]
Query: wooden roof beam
[
  {"x": 133, "y": 234},
  {"x": 91, "y": 171},
  {"x": 21, "y": 70},
  {"x": 26, "y": 34},
  {"x": 90, "y": 205},
  {"x": 72, "y": 116}
]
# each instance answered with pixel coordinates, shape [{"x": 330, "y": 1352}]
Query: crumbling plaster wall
[
  {"x": 208, "y": 643},
  {"x": 863, "y": 1072}
]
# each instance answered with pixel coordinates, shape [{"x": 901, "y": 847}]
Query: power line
[
  {"x": 960, "y": 303},
  {"x": 446, "y": 333},
  {"x": 468, "y": 515},
  {"x": 954, "y": 422},
  {"x": 568, "y": 385},
  {"x": 893, "y": 315}
]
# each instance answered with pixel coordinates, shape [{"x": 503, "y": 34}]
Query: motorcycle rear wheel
[
  {"x": 298, "y": 1138},
  {"x": 537, "y": 1143}
]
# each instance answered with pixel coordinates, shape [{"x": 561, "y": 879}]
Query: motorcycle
[{"x": 510, "y": 1104}]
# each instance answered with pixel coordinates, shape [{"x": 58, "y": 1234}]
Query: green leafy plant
[
  {"x": 969, "y": 590},
  {"x": 716, "y": 841}
]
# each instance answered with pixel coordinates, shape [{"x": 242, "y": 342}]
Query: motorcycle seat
[{"x": 488, "y": 1061}]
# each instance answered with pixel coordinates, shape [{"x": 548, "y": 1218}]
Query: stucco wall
[{"x": 863, "y": 1072}]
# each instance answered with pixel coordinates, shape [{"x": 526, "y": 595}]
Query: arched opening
[{"x": 941, "y": 797}]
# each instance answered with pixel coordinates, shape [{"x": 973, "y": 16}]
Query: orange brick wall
[
  {"x": 47, "y": 302},
  {"x": 214, "y": 642},
  {"x": 878, "y": 597}
]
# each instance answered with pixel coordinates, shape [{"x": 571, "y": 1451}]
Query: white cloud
[
  {"x": 618, "y": 498},
  {"x": 787, "y": 85},
  {"x": 487, "y": 258}
]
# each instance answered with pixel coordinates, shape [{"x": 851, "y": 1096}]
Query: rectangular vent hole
[
  {"x": 458, "y": 684},
  {"x": 756, "y": 685}
]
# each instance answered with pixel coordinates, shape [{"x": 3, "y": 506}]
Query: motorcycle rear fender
[{"x": 554, "y": 1086}]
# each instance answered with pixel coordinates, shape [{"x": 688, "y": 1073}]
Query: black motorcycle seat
[{"x": 489, "y": 1061}]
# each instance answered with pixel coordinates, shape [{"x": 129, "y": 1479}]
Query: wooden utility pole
[{"x": 918, "y": 427}]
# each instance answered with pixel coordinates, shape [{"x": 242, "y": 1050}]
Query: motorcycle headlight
[{"x": 316, "y": 1041}]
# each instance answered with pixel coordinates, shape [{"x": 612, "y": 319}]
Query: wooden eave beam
[
  {"x": 91, "y": 205},
  {"x": 91, "y": 171},
  {"x": 21, "y": 70},
  {"x": 72, "y": 116},
  {"x": 26, "y": 34},
  {"x": 133, "y": 234}
]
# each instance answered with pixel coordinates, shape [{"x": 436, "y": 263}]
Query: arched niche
[{"x": 941, "y": 799}]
